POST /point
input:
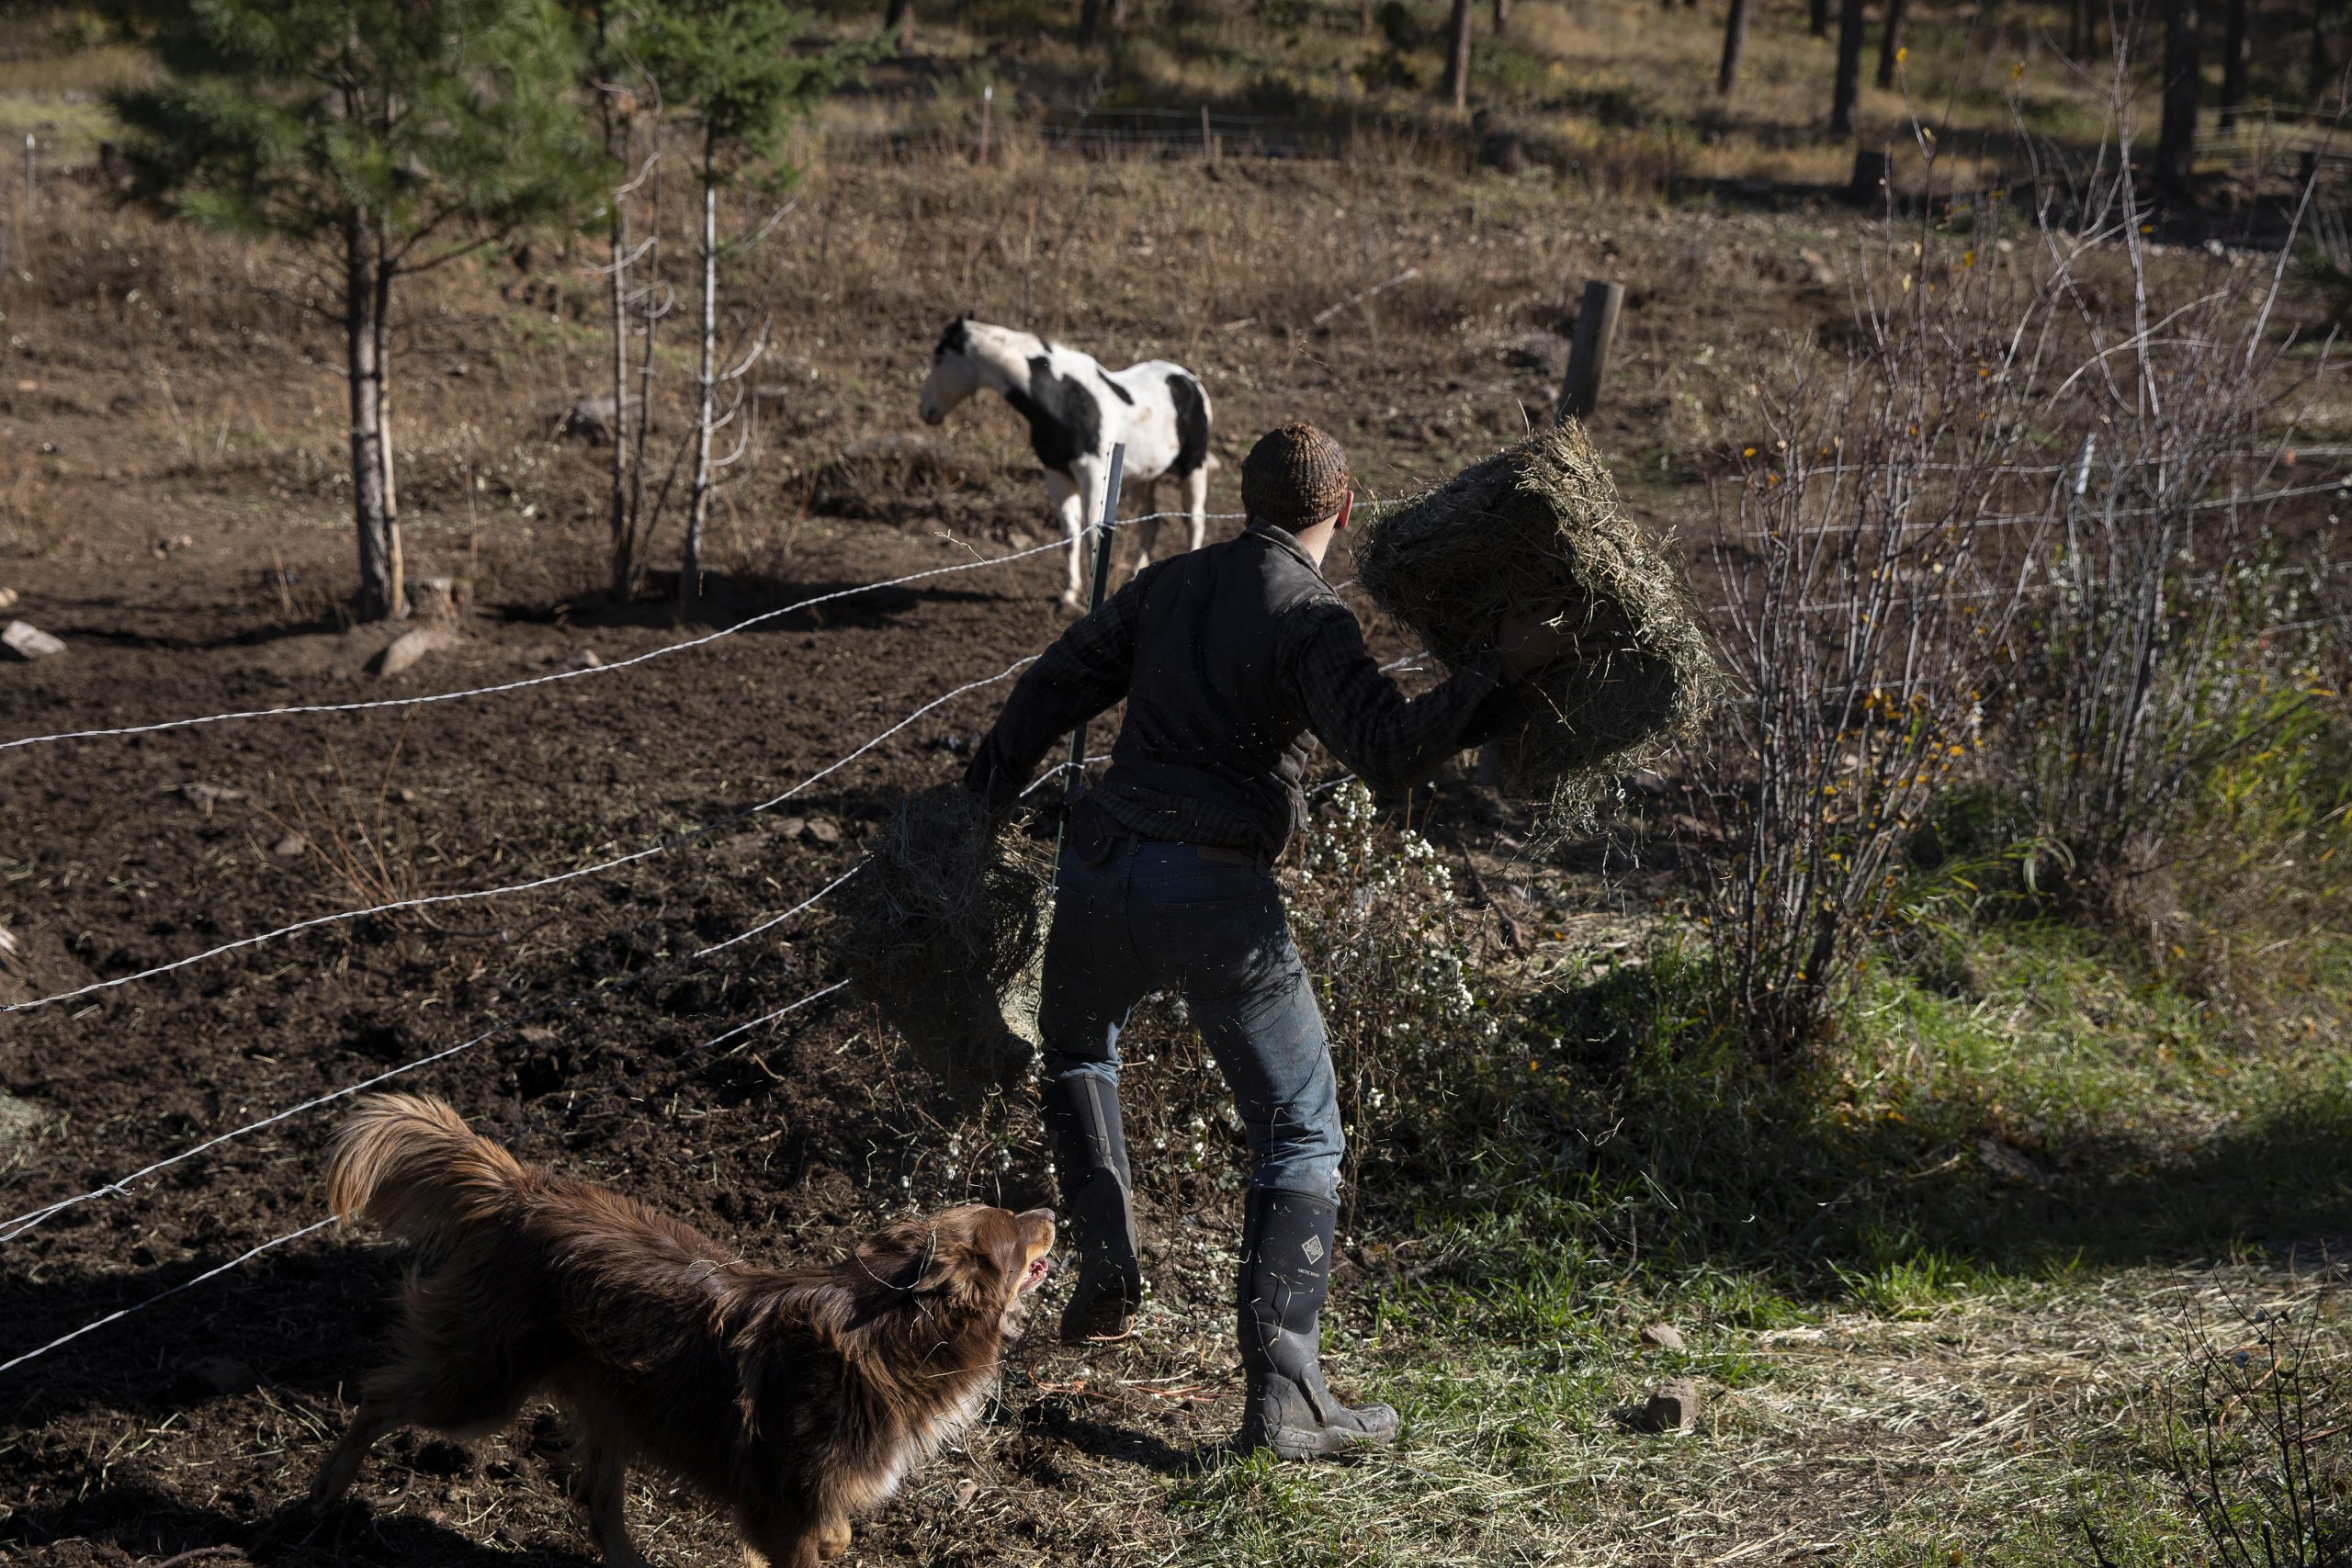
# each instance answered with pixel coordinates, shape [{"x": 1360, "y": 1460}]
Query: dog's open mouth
[{"x": 1036, "y": 1273}]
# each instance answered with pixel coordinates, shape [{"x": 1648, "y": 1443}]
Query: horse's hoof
[{"x": 1069, "y": 605}]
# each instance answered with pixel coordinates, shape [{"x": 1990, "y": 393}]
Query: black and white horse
[{"x": 1077, "y": 411}]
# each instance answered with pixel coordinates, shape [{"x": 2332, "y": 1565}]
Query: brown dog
[{"x": 796, "y": 1397}]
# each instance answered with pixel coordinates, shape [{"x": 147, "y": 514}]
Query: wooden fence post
[
  {"x": 1208, "y": 138},
  {"x": 1589, "y": 353},
  {"x": 987, "y": 109}
]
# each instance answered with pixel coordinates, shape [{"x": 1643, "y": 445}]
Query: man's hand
[{"x": 1542, "y": 633}]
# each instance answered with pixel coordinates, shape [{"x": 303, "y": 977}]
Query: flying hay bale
[
  {"x": 942, "y": 931},
  {"x": 1539, "y": 522}
]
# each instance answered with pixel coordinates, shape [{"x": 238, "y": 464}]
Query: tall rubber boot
[
  {"x": 1091, "y": 1153},
  {"x": 1285, "y": 1278}
]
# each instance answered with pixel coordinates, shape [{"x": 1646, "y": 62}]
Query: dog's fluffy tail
[{"x": 409, "y": 1163}]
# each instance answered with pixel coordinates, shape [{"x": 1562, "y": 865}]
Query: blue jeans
[{"x": 1159, "y": 917}]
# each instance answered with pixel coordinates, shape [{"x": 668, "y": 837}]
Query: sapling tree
[
  {"x": 381, "y": 139},
  {"x": 628, "y": 116},
  {"x": 733, "y": 66}
]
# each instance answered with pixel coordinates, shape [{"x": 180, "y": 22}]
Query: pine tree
[{"x": 381, "y": 138}]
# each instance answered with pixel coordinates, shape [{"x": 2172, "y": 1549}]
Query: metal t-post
[{"x": 1074, "y": 777}]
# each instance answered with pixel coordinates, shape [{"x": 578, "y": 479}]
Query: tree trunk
[
  {"x": 1457, "y": 57},
  {"x": 1090, "y": 21},
  {"x": 899, "y": 23},
  {"x": 643, "y": 521},
  {"x": 1849, "y": 85},
  {"x": 2233, "y": 64},
  {"x": 1502, "y": 17},
  {"x": 375, "y": 597},
  {"x": 2177, "y": 138},
  {"x": 698, "y": 504},
  {"x": 1818, "y": 19},
  {"x": 1890, "y": 42},
  {"x": 383, "y": 320},
  {"x": 622, "y": 523},
  {"x": 1735, "y": 46}
]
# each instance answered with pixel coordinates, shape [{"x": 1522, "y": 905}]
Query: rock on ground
[
  {"x": 404, "y": 650},
  {"x": 1674, "y": 1408},
  {"x": 592, "y": 420},
  {"x": 28, "y": 642}
]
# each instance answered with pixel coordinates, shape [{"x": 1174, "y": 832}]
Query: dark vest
[{"x": 1211, "y": 749}]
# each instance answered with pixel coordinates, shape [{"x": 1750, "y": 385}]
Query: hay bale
[
  {"x": 942, "y": 932},
  {"x": 1534, "y": 522}
]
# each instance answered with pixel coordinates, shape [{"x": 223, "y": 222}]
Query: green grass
[{"x": 1887, "y": 1263}]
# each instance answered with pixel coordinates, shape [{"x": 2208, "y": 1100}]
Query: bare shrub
[
  {"x": 1870, "y": 580},
  {"x": 2153, "y": 654},
  {"x": 2256, "y": 1439},
  {"x": 1921, "y": 590},
  {"x": 353, "y": 837}
]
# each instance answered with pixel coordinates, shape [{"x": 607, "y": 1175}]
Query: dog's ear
[
  {"x": 954, "y": 1256},
  {"x": 912, "y": 1257},
  {"x": 944, "y": 1267}
]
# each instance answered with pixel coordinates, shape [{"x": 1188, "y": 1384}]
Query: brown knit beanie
[{"x": 1293, "y": 477}]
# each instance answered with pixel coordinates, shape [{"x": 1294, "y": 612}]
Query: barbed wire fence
[{"x": 15, "y": 1226}]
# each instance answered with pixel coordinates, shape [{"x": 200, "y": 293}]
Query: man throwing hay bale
[{"x": 1227, "y": 658}]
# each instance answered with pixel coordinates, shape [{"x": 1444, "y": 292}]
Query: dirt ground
[
  {"x": 186, "y": 580},
  {"x": 791, "y": 1134},
  {"x": 170, "y": 458}
]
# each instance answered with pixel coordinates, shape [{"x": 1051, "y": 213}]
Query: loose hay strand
[{"x": 1539, "y": 521}]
